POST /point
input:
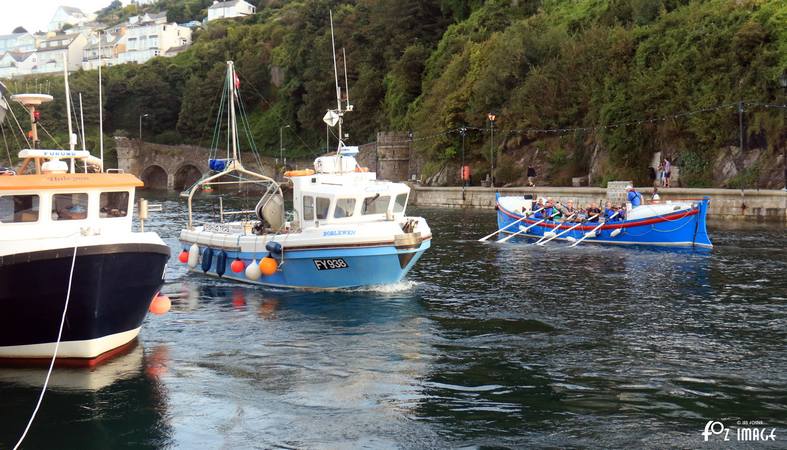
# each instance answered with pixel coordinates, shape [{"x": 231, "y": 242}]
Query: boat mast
[
  {"x": 82, "y": 121},
  {"x": 100, "y": 107},
  {"x": 336, "y": 80},
  {"x": 346, "y": 84},
  {"x": 68, "y": 108},
  {"x": 233, "y": 125}
]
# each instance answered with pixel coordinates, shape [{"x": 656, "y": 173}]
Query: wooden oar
[
  {"x": 593, "y": 231},
  {"x": 507, "y": 226},
  {"x": 562, "y": 233},
  {"x": 522, "y": 230},
  {"x": 550, "y": 233}
]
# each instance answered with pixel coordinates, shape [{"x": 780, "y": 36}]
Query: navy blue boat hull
[{"x": 112, "y": 288}]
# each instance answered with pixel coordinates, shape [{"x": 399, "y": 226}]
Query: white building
[
  {"x": 111, "y": 46},
  {"x": 67, "y": 15},
  {"x": 15, "y": 64},
  {"x": 149, "y": 36},
  {"x": 50, "y": 53},
  {"x": 19, "y": 42},
  {"x": 226, "y": 10}
]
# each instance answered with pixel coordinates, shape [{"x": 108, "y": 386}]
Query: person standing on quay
[{"x": 667, "y": 172}]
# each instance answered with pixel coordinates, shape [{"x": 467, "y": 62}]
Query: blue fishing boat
[
  {"x": 346, "y": 228},
  {"x": 668, "y": 224}
]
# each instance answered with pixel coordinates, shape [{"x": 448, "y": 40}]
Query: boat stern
[{"x": 701, "y": 238}]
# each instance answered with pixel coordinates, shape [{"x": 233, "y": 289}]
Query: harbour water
[{"x": 483, "y": 345}]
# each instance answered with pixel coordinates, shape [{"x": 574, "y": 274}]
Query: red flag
[{"x": 236, "y": 80}]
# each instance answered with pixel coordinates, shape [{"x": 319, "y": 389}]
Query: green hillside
[{"x": 581, "y": 86}]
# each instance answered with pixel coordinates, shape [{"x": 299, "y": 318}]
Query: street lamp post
[
  {"x": 492, "y": 117},
  {"x": 140, "y": 126},
  {"x": 281, "y": 145},
  {"x": 783, "y": 83},
  {"x": 463, "y": 132}
]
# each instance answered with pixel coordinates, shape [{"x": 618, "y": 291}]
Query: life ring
[{"x": 298, "y": 173}]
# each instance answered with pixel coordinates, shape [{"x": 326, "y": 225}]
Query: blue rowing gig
[{"x": 669, "y": 224}]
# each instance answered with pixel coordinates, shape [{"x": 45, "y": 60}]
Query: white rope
[{"x": 54, "y": 355}]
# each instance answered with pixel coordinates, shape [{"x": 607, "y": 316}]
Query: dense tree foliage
[{"x": 435, "y": 66}]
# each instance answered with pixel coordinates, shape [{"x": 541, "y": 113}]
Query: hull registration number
[{"x": 330, "y": 263}]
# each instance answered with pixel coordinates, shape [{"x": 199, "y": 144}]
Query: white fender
[
  {"x": 253, "y": 270},
  {"x": 193, "y": 256}
]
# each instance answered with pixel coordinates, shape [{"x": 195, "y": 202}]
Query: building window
[
  {"x": 69, "y": 206},
  {"x": 18, "y": 208},
  {"x": 113, "y": 204}
]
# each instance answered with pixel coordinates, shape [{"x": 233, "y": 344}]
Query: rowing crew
[{"x": 556, "y": 211}]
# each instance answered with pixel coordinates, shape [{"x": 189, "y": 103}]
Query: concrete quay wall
[{"x": 725, "y": 204}]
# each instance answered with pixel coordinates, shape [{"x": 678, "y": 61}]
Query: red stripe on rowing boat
[{"x": 652, "y": 220}]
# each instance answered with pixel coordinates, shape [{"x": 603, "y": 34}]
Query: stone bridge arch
[
  {"x": 154, "y": 177},
  {"x": 182, "y": 165},
  {"x": 186, "y": 175}
]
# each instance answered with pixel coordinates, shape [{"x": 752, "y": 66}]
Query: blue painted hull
[
  {"x": 366, "y": 266},
  {"x": 684, "y": 228}
]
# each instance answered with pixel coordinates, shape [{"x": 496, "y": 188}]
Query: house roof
[
  {"x": 104, "y": 44},
  {"x": 12, "y": 36},
  {"x": 69, "y": 38},
  {"x": 70, "y": 10},
  {"x": 160, "y": 15},
  {"x": 20, "y": 56},
  {"x": 176, "y": 50},
  {"x": 225, "y": 4}
]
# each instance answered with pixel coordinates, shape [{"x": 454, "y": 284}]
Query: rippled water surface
[{"x": 484, "y": 345}]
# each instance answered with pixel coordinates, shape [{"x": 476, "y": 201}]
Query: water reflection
[
  {"x": 483, "y": 345},
  {"x": 121, "y": 403}
]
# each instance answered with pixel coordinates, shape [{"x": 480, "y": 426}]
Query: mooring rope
[{"x": 54, "y": 355}]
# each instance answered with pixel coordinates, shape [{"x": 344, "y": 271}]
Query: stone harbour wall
[{"x": 725, "y": 204}]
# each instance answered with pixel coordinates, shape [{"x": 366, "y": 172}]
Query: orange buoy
[
  {"x": 298, "y": 173},
  {"x": 160, "y": 304},
  {"x": 268, "y": 266},
  {"x": 183, "y": 257},
  {"x": 237, "y": 266}
]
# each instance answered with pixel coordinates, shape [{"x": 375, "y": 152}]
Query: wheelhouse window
[
  {"x": 345, "y": 207},
  {"x": 69, "y": 206},
  {"x": 400, "y": 203},
  {"x": 18, "y": 208},
  {"x": 113, "y": 204},
  {"x": 376, "y": 205},
  {"x": 308, "y": 208},
  {"x": 323, "y": 204}
]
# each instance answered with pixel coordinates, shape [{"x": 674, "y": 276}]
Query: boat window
[
  {"x": 401, "y": 202},
  {"x": 376, "y": 205},
  {"x": 18, "y": 208},
  {"x": 345, "y": 207},
  {"x": 308, "y": 208},
  {"x": 322, "y": 207},
  {"x": 69, "y": 206},
  {"x": 114, "y": 204}
]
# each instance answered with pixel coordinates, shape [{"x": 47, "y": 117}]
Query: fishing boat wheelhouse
[{"x": 66, "y": 234}]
